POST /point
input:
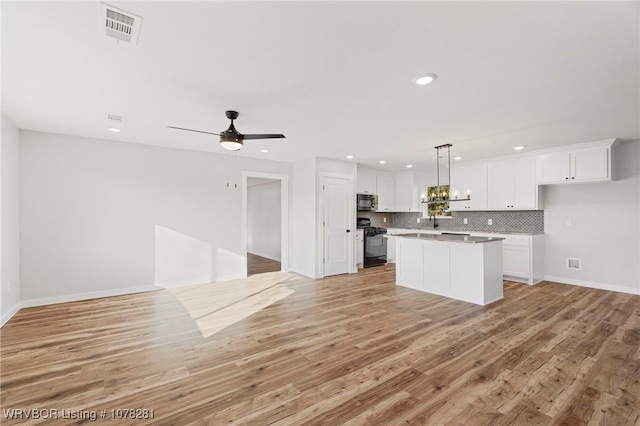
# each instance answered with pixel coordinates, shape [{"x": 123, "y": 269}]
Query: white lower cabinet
[
  {"x": 359, "y": 248},
  {"x": 521, "y": 257},
  {"x": 410, "y": 271},
  {"x": 391, "y": 249},
  {"x": 463, "y": 271}
]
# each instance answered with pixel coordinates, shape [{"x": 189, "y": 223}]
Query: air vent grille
[
  {"x": 121, "y": 25},
  {"x": 112, "y": 118},
  {"x": 574, "y": 264}
]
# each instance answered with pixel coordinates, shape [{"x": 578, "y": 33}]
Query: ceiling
[{"x": 337, "y": 78}]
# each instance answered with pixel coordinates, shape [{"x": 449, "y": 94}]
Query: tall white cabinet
[
  {"x": 512, "y": 185},
  {"x": 386, "y": 193},
  {"x": 469, "y": 180}
]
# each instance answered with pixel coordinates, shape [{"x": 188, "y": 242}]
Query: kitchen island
[{"x": 456, "y": 266}]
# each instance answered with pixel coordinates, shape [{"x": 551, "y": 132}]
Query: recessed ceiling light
[
  {"x": 264, "y": 150},
  {"x": 518, "y": 148},
  {"x": 409, "y": 166},
  {"x": 457, "y": 158},
  {"x": 382, "y": 161},
  {"x": 349, "y": 157},
  {"x": 425, "y": 79},
  {"x": 114, "y": 130}
]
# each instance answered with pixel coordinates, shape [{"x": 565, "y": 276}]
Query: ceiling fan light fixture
[{"x": 230, "y": 143}]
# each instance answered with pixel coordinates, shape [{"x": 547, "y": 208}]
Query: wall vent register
[{"x": 574, "y": 264}]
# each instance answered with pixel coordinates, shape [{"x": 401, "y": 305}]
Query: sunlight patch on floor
[{"x": 216, "y": 306}]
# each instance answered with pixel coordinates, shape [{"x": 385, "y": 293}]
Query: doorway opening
[{"x": 265, "y": 223}]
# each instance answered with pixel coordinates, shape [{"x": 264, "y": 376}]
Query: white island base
[{"x": 467, "y": 269}]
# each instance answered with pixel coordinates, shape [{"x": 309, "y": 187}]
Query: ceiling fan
[{"x": 231, "y": 139}]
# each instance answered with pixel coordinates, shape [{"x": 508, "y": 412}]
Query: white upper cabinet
[
  {"x": 469, "y": 180},
  {"x": 386, "y": 193},
  {"x": 407, "y": 189},
  {"x": 366, "y": 182},
  {"x": 512, "y": 185},
  {"x": 586, "y": 163}
]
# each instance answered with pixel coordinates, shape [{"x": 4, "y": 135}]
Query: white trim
[
  {"x": 284, "y": 219},
  {"x": 591, "y": 284},
  {"x": 230, "y": 277},
  {"x": 304, "y": 273},
  {"x": 86, "y": 296},
  {"x": 8, "y": 315},
  {"x": 265, "y": 255}
]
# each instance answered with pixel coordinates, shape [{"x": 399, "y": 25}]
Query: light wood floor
[
  {"x": 286, "y": 350},
  {"x": 259, "y": 265}
]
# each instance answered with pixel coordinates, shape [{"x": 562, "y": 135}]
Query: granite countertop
[
  {"x": 463, "y": 231},
  {"x": 449, "y": 238}
]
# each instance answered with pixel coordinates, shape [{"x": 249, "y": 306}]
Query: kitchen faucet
[{"x": 435, "y": 225}]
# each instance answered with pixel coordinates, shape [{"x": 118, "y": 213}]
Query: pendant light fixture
[{"x": 441, "y": 192}]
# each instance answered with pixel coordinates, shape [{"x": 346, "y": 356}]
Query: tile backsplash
[
  {"x": 377, "y": 219},
  {"x": 526, "y": 221}
]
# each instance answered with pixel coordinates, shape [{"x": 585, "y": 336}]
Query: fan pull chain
[{"x": 235, "y": 172}]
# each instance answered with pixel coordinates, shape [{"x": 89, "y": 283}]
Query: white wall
[
  {"x": 263, "y": 218},
  {"x": 302, "y": 239},
  {"x": 98, "y": 216},
  {"x": 605, "y": 232},
  {"x": 10, "y": 287}
]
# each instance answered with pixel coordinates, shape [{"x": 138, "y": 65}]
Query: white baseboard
[
  {"x": 305, "y": 273},
  {"x": 591, "y": 284},
  {"x": 8, "y": 315},
  {"x": 230, "y": 277},
  {"x": 175, "y": 284},
  {"x": 268, "y": 256},
  {"x": 85, "y": 296}
]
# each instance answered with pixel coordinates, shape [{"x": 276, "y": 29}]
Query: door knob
[{"x": 348, "y": 230}]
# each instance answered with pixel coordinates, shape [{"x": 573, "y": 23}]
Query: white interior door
[{"x": 337, "y": 225}]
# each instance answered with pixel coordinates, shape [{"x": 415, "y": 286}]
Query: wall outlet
[
  {"x": 384, "y": 219},
  {"x": 567, "y": 222},
  {"x": 490, "y": 221},
  {"x": 465, "y": 221},
  {"x": 418, "y": 220}
]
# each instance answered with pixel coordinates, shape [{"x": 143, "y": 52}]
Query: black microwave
[{"x": 367, "y": 202}]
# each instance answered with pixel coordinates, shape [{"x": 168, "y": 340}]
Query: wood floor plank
[{"x": 282, "y": 349}]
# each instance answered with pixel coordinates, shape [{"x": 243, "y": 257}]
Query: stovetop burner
[{"x": 374, "y": 230}]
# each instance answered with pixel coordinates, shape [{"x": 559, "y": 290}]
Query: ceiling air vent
[{"x": 121, "y": 25}]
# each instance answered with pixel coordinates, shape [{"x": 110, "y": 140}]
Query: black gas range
[{"x": 375, "y": 243}]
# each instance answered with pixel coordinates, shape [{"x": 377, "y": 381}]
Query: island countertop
[{"x": 452, "y": 238}]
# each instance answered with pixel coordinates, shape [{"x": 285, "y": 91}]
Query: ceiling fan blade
[
  {"x": 192, "y": 130},
  {"x": 263, "y": 136}
]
